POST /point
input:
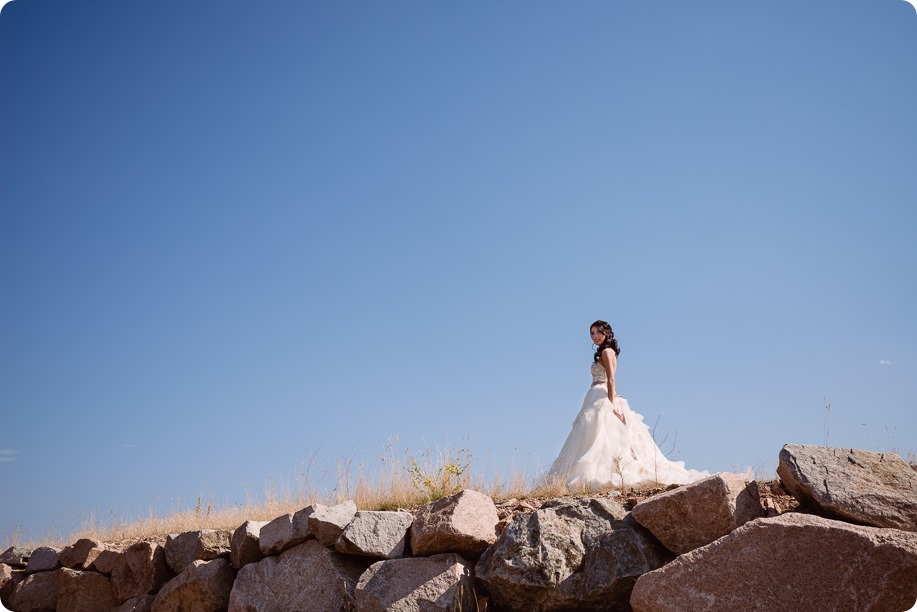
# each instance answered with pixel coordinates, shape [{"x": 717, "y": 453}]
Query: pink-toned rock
[
  {"x": 464, "y": 523},
  {"x": 285, "y": 532},
  {"x": 82, "y": 591},
  {"x": 16, "y": 556},
  {"x": 204, "y": 586},
  {"x": 37, "y": 593},
  {"x": 185, "y": 548},
  {"x": 105, "y": 561},
  {"x": 43, "y": 559},
  {"x": 793, "y": 562},
  {"x": 244, "y": 544},
  {"x": 144, "y": 603},
  {"x": 139, "y": 570},
  {"x": 696, "y": 514},
  {"x": 326, "y": 523},
  {"x": 81, "y": 553},
  {"x": 9, "y": 578},
  {"x": 380, "y": 534},
  {"x": 878, "y": 489},
  {"x": 278, "y": 584},
  {"x": 439, "y": 582}
]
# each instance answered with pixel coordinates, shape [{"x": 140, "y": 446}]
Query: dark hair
[{"x": 609, "y": 342}]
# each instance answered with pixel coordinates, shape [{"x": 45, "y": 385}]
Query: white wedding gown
[{"x": 602, "y": 450}]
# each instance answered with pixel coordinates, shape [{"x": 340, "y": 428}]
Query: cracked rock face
[{"x": 878, "y": 489}]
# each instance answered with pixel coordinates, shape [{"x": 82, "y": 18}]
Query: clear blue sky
[{"x": 235, "y": 234}]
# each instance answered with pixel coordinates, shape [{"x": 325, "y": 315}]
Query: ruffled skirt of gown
[{"x": 602, "y": 450}]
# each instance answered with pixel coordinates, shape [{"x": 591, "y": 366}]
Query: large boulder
[
  {"x": 278, "y": 584},
  {"x": 84, "y": 592},
  {"x": 790, "y": 562},
  {"x": 465, "y": 523},
  {"x": 878, "y": 489},
  {"x": 37, "y": 593},
  {"x": 204, "y": 586},
  {"x": 582, "y": 554},
  {"x": 243, "y": 546},
  {"x": 326, "y": 523},
  {"x": 439, "y": 582},
  {"x": 16, "y": 556},
  {"x": 81, "y": 553},
  {"x": 696, "y": 514},
  {"x": 9, "y": 578},
  {"x": 43, "y": 559},
  {"x": 105, "y": 561},
  {"x": 185, "y": 548},
  {"x": 143, "y": 603},
  {"x": 381, "y": 534},
  {"x": 285, "y": 532},
  {"x": 140, "y": 569}
]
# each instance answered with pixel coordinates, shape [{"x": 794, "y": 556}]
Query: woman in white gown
[{"x": 609, "y": 442}]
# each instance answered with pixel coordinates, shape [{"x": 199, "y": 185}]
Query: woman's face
[{"x": 597, "y": 336}]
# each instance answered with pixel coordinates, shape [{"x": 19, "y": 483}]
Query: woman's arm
[{"x": 610, "y": 363}]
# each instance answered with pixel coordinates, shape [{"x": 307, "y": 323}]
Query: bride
[{"x": 609, "y": 442}]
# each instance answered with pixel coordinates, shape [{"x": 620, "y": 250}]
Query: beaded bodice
[{"x": 598, "y": 374}]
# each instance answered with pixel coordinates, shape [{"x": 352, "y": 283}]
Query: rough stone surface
[
  {"x": 16, "y": 556},
  {"x": 204, "y": 586},
  {"x": 43, "y": 559},
  {"x": 790, "y": 562},
  {"x": 580, "y": 554},
  {"x": 9, "y": 578},
  {"x": 696, "y": 514},
  {"x": 275, "y": 584},
  {"x": 36, "y": 593},
  {"x": 878, "y": 489},
  {"x": 84, "y": 592},
  {"x": 185, "y": 548},
  {"x": 326, "y": 523},
  {"x": 243, "y": 545},
  {"x": 139, "y": 570},
  {"x": 105, "y": 561},
  {"x": 380, "y": 534},
  {"x": 439, "y": 582},
  {"x": 465, "y": 523},
  {"x": 144, "y": 603},
  {"x": 81, "y": 553},
  {"x": 285, "y": 532}
]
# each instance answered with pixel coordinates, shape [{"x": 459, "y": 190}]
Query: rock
[
  {"x": 84, "y": 592},
  {"x": 9, "y": 578},
  {"x": 376, "y": 533},
  {"x": 285, "y": 532},
  {"x": 105, "y": 561},
  {"x": 582, "y": 554},
  {"x": 696, "y": 514},
  {"x": 204, "y": 586},
  {"x": 327, "y": 523},
  {"x": 43, "y": 559},
  {"x": 81, "y": 554},
  {"x": 277, "y": 584},
  {"x": 16, "y": 556},
  {"x": 878, "y": 489},
  {"x": 144, "y": 603},
  {"x": 440, "y": 582},
  {"x": 185, "y": 548},
  {"x": 243, "y": 545},
  {"x": 790, "y": 562},
  {"x": 464, "y": 523},
  {"x": 139, "y": 570},
  {"x": 37, "y": 592}
]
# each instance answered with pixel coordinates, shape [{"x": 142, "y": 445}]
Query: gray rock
[
  {"x": 185, "y": 548},
  {"x": 144, "y": 603},
  {"x": 82, "y": 591},
  {"x": 285, "y": 532},
  {"x": 327, "y": 523},
  {"x": 43, "y": 559},
  {"x": 16, "y": 556},
  {"x": 244, "y": 547},
  {"x": 204, "y": 586},
  {"x": 139, "y": 570},
  {"x": 465, "y": 523},
  {"x": 439, "y": 582},
  {"x": 793, "y": 562},
  {"x": 105, "y": 561},
  {"x": 81, "y": 554},
  {"x": 696, "y": 514},
  {"x": 276, "y": 584},
  {"x": 37, "y": 593},
  {"x": 878, "y": 489},
  {"x": 582, "y": 554},
  {"x": 378, "y": 534}
]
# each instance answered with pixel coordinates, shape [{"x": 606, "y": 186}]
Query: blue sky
[{"x": 233, "y": 235}]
